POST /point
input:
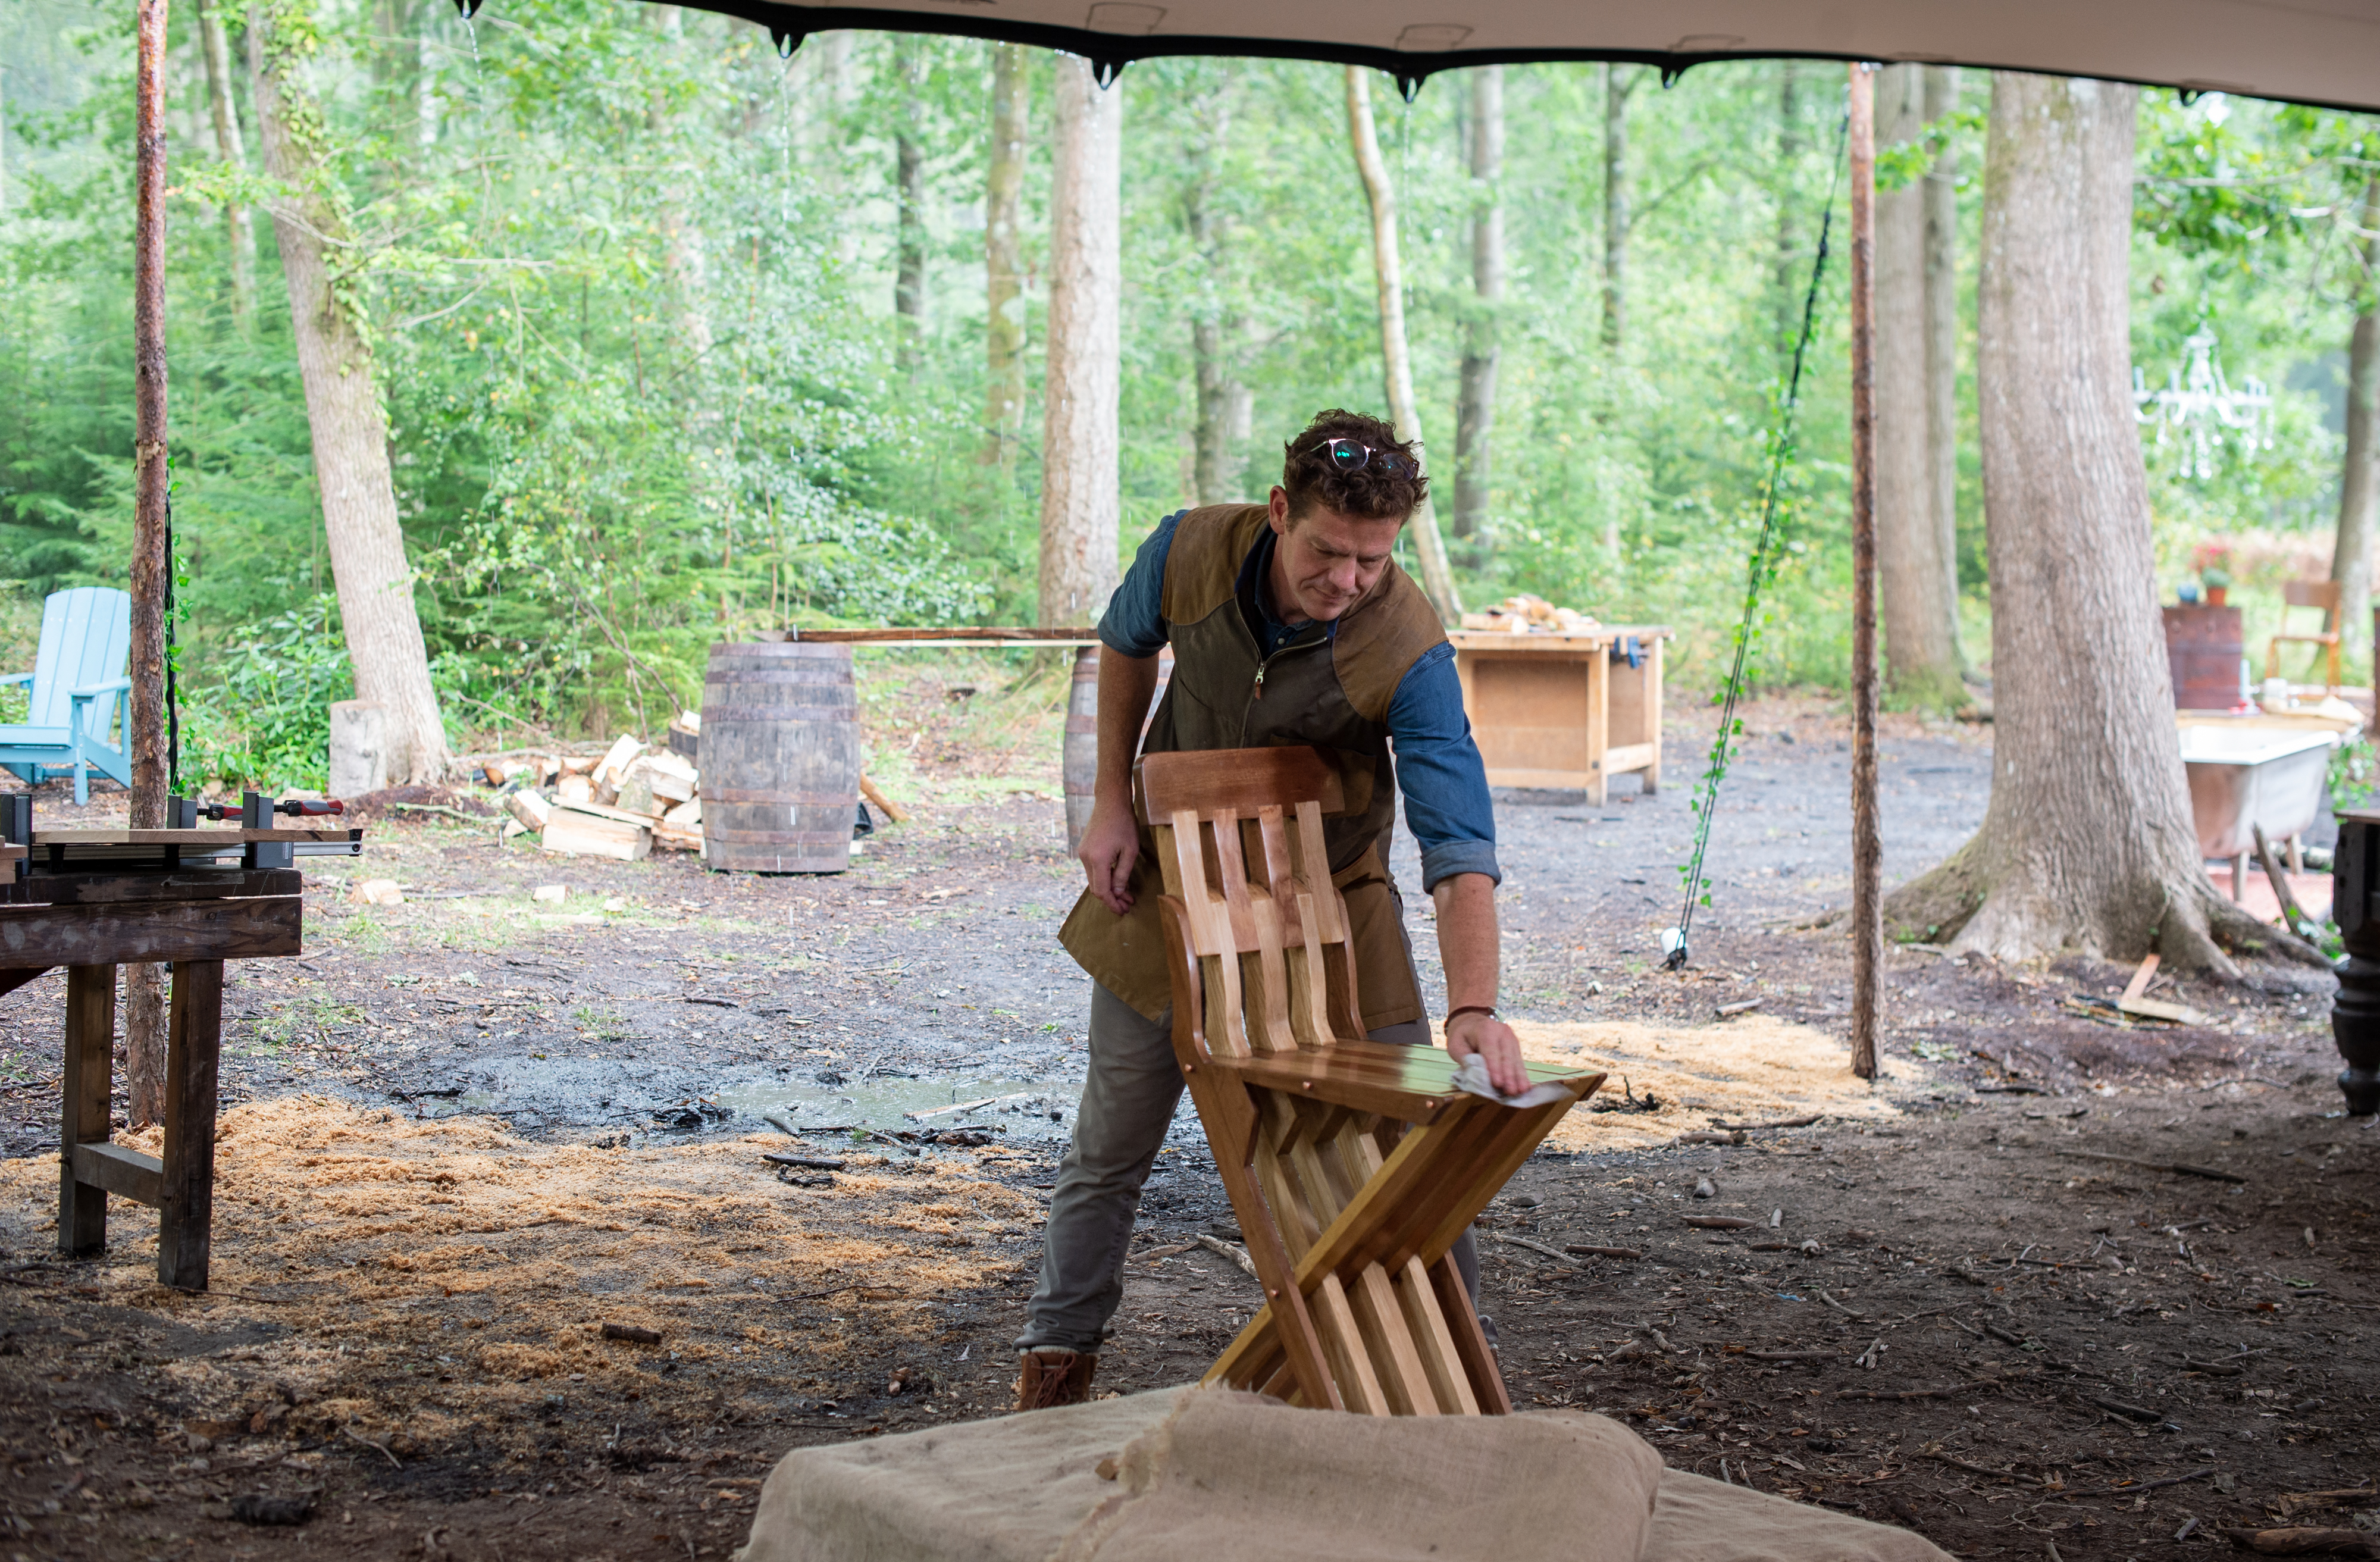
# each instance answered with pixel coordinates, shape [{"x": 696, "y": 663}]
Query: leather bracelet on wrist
[{"x": 1488, "y": 1009}]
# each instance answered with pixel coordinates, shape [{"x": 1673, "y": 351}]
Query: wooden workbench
[
  {"x": 90, "y": 900},
  {"x": 1564, "y": 711}
]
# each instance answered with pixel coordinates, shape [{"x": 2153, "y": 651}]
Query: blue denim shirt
[{"x": 1439, "y": 769}]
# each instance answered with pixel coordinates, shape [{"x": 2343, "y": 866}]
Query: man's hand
[
  {"x": 1110, "y": 851},
  {"x": 1494, "y": 1042}
]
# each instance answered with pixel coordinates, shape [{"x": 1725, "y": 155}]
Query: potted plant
[{"x": 2213, "y": 561}]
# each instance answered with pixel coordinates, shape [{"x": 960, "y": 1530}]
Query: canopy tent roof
[{"x": 2325, "y": 52}]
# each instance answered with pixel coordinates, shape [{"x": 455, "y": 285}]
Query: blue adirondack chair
[{"x": 79, "y": 695}]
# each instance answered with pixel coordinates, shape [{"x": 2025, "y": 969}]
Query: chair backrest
[
  {"x": 2311, "y": 594},
  {"x": 1239, "y": 839},
  {"x": 86, "y": 638}
]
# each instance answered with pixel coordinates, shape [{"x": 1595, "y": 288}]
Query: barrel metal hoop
[
  {"x": 731, "y": 795},
  {"x": 713, "y": 714},
  {"x": 814, "y": 840}
]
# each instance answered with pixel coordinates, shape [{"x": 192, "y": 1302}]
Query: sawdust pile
[
  {"x": 429, "y": 1284},
  {"x": 1747, "y": 1069}
]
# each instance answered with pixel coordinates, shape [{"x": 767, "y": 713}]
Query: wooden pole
[
  {"x": 144, "y": 1009},
  {"x": 1867, "y": 841}
]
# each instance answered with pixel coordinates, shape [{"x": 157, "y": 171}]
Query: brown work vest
[{"x": 1328, "y": 689}]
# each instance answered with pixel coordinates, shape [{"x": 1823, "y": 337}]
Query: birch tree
[
  {"x": 1003, "y": 206},
  {"x": 239, "y": 234},
  {"x": 1475, "y": 407},
  {"x": 1437, "y": 576},
  {"x": 1080, "y": 449},
  {"x": 310, "y": 221}
]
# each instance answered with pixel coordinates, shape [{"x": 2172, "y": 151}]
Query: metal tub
[{"x": 2245, "y": 775}]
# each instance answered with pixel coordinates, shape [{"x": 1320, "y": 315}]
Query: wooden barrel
[
  {"x": 780, "y": 758},
  {"x": 2202, "y": 646},
  {"x": 1080, "y": 759}
]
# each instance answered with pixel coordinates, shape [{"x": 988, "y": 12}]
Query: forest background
[{"x": 680, "y": 340}]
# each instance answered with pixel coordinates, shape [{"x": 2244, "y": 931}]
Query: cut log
[
  {"x": 615, "y": 764},
  {"x": 574, "y": 786},
  {"x": 576, "y": 765},
  {"x": 605, "y": 810},
  {"x": 575, "y": 834},
  {"x": 636, "y": 792},
  {"x": 530, "y": 809},
  {"x": 377, "y": 891},
  {"x": 893, "y": 810},
  {"x": 674, "y": 840},
  {"x": 686, "y": 816}
]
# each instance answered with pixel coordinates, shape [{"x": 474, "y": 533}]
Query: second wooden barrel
[
  {"x": 1080, "y": 758},
  {"x": 780, "y": 758}
]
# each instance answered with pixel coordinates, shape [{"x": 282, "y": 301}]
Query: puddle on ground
[{"x": 1020, "y": 1108}]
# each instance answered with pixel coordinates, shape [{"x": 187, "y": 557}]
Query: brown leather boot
[{"x": 1050, "y": 1378}]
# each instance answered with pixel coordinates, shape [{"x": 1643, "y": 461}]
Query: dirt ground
[{"x": 464, "y": 1134}]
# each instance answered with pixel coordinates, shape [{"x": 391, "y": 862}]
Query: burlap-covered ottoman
[{"x": 1209, "y": 1475}]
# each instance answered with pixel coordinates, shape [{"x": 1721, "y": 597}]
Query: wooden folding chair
[
  {"x": 1354, "y": 1166},
  {"x": 2324, "y": 594}
]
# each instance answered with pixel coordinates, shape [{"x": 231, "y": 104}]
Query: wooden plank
[
  {"x": 1651, "y": 770},
  {"x": 197, "y": 884},
  {"x": 1450, "y": 1381},
  {"x": 1599, "y": 729},
  {"x": 225, "y": 839},
  {"x": 127, "y": 1173},
  {"x": 1535, "y": 643},
  {"x": 1541, "y": 780},
  {"x": 185, "y": 1205},
  {"x": 1470, "y": 1346},
  {"x": 89, "y": 1063},
  {"x": 572, "y": 834},
  {"x": 1237, "y": 780},
  {"x": 969, "y": 634},
  {"x": 1351, "y": 1365},
  {"x": 605, "y": 810},
  {"x": 1395, "y": 1361},
  {"x": 246, "y": 927}
]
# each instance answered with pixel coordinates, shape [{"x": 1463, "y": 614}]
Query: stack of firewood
[{"x": 622, "y": 805}]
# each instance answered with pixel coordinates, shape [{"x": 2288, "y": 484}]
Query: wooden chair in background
[
  {"x": 1354, "y": 1166},
  {"x": 2307, "y": 593},
  {"x": 76, "y": 695}
]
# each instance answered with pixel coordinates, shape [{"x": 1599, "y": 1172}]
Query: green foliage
[{"x": 628, "y": 281}]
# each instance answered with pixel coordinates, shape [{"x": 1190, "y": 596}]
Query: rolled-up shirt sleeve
[
  {"x": 1135, "y": 623},
  {"x": 1440, "y": 774}
]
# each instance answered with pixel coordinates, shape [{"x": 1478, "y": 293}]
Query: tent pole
[
  {"x": 1867, "y": 841},
  {"x": 145, "y": 736}
]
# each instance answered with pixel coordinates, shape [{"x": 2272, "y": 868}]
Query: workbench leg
[
  {"x": 87, "y": 1077},
  {"x": 1653, "y": 714},
  {"x": 1598, "y": 726},
  {"x": 193, "y": 1053}
]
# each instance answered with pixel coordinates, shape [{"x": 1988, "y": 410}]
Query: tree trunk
[
  {"x": 1003, "y": 200},
  {"x": 144, "y": 738},
  {"x": 1437, "y": 576},
  {"x": 1618, "y": 82},
  {"x": 2351, "y": 560},
  {"x": 2088, "y": 844},
  {"x": 239, "y": 235},
  {"x": 1920, "y": 651},
  {"x": 343, "y": 408},
  {"x": 1214, "y": 325},
  {"x": 1475, "y": 407},
  {"x": 910, "y": 190},
  {"x": 1942, "y": 345},
  {"x": 1080, "y": 450},
  {"x": 1788, "y": 274}
]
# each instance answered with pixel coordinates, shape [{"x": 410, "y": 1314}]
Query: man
[{"x": 1290, "y": 624}]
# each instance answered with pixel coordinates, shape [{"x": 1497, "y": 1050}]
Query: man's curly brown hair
[{"x": 1390, "y": 485}]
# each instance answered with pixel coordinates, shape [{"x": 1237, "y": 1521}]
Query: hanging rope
[{"x": 1764, "y": 570}]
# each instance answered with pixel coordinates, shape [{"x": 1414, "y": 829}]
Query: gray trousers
[{"x": 1127, "y": 1104}]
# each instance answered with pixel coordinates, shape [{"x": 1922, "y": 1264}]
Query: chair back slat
[
  {"x": 1240, "y": 843},
  {"x": 2311, "y": 594},
  {"x": 86, "y": 638}
]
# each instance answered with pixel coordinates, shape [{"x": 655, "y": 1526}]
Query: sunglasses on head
[{"x": 1348, "y": 455}]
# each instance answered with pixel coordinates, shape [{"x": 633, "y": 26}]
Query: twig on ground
[
  {"x": 354, "y": 1436},
  {"x": 1839, "y": 1307},
  {"x": 1584, "y": 1250},
  {"x": 1897, "y": 1394},
  {"x": 1237, "y": 1255},
  {"x": 2183, "y": 1167},
  {"x": 1775, "y": 1123},
  {"x": 1535, "y": 1247}
]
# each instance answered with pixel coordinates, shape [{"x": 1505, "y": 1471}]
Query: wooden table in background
[{"x": 1564, "y": 711}]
